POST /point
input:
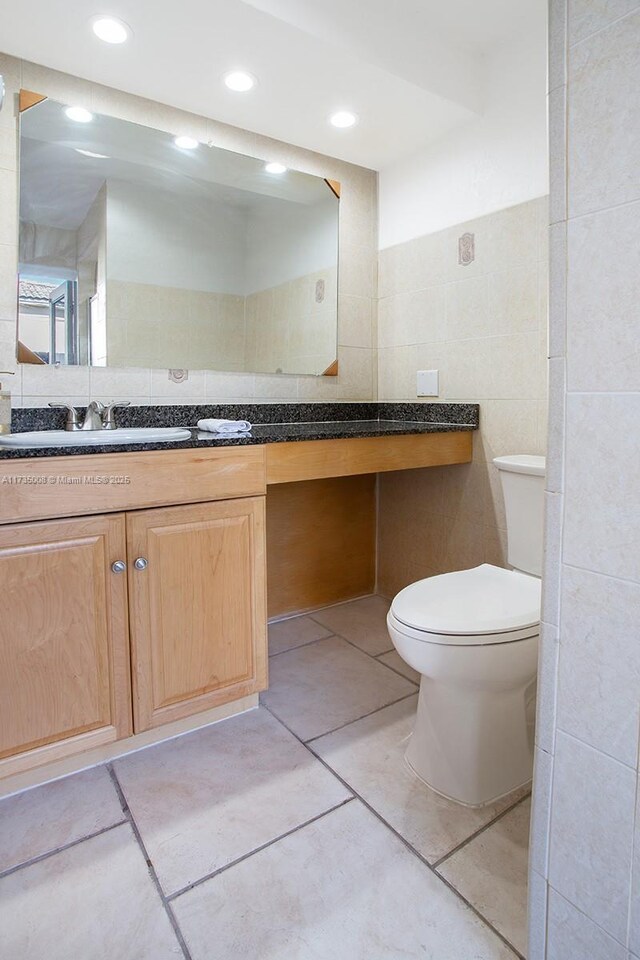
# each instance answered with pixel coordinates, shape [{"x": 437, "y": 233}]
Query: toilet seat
[{"x": 484, "y": 605}]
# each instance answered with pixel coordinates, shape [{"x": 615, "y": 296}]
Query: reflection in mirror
[{"x": 137, "y": 249}]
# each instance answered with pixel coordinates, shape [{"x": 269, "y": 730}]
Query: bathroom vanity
[{"x": 135, "y": 580}]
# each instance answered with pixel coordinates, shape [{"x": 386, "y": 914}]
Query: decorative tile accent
[{"x": 466, "y": 249}]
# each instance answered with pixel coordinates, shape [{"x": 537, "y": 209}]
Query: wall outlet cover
[{"x": 427, "y": 383}]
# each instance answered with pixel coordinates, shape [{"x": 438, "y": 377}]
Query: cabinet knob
[
  {"x": 119, "y": 566},
  {"x": 141, "y": 563}
]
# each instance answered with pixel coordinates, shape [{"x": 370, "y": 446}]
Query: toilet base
[
  {"x": 473, "y": 746},
  {"x": 472, "y": 806}
]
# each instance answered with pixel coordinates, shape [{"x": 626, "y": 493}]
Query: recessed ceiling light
[
  {"x": 275, "y": 168},
  {"x": 185, "y": 143},
  {"x": 343, "y": 119},
  {"x": 239, "y": 81},
  {"x": 90, "y": 153},
  {"x": 79, "y": 114},
  {"x": 110, "y": 30}
]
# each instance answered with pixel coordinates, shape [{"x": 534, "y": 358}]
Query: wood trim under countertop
[
  {"x": 319, "y": 459},
  {"x": 37, "y": 488}
]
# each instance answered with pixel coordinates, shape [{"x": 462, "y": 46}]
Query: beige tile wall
[
  {"x": 357, "y": 263},
  {"x": 146, "y": 327},
  {"x": 281, "y": 329},
  {"x": 484, "y": 327},
  {"x": 585, "y": 855},
  {"x": 286, "y": 329}
]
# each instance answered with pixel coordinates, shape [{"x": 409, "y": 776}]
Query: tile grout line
[
  {"x": 167, "y": 899},
  {"x": 351, "y": 643},
  {"x": 301, "y": 646},
  {"x": 481, "y": 830},
  {"x": 591, "y": 36},
  {"x": 269, "y": 843},
  {"x": 286, "y": 617},
  {"x": 402, "y": 839},
  {"x": 150, "y": 867},
  {"x": 339, "y": 636},
  {"x": 463, "y": 843},
  {"x": 403, "y": 675},
  {"x": 61, "y": 849},
  {"x": 406, "y": 696}
]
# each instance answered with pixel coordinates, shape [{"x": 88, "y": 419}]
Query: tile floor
[{"x": 293, "y": 832}]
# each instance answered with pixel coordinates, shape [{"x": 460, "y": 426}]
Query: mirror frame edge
[{"x": 28, "y": 98}]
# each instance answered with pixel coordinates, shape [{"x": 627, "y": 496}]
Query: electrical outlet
[{"x": 427, "y": 383}]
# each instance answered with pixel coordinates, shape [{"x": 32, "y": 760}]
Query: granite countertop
[{"x": 392, "y": 420}]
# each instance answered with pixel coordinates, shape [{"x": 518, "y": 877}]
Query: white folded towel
[{"x": 224, "y": 426}]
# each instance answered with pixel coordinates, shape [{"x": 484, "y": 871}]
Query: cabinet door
[
  {"x": 198, "y": 610},
  {"x": 64, "y": 648}
]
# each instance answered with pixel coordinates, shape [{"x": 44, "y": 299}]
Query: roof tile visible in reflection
[{"x": 38, "y": 292}]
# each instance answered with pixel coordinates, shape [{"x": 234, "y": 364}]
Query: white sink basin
[{"x": 94, "y": 438}]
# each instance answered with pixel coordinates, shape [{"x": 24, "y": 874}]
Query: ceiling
[
  {"x": 58, "y": 184},
  {"x": 411, "y": 70}
]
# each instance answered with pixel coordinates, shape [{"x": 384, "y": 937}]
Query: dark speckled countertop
[{"x": 272, "y": 423}]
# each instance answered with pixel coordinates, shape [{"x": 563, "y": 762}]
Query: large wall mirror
[{"x": 139, "y": 249}]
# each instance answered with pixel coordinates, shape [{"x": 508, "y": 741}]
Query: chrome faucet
[
  {"x": 93, "y": 416},
  {"x": 108, "y": 416},
  {"x": 97, "y": 415}
]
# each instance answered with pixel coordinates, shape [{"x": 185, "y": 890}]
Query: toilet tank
[{"x": 522, "y": 479}]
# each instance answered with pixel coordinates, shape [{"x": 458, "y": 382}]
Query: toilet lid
[{"x": 483, "y": 600}]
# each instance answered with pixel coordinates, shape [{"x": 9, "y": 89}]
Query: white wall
[
  {"x": 495, "y": 161},
  {"x": 174, "y": 241},
  {"x": 298, "y": 249},
  {"x": 169, "y": 240}
]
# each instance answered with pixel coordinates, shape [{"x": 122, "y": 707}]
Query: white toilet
[{"x": 473, "y": 636}]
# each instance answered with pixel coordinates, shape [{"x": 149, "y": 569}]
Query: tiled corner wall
[
  {"x": 585, "y": 855},
  {"x": 288, "y": 329},
  {"x": 357, "y": 266},
  {"x": 143, "y": 326},
  {"x": 484, "y": 327},
  {"x": 281, "y": 328}
]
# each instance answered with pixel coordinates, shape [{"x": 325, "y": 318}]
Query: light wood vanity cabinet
[
  {"x": 64, "y": 641},
  {"x": 198, "y": 607},
  {"x": 90, "y": 654},
  {"x": 115, "y": 623}
]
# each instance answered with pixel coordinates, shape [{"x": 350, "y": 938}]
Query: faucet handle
[
  {"x": 73, "y": 417},
  {"x": 108, "y": 416}
]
